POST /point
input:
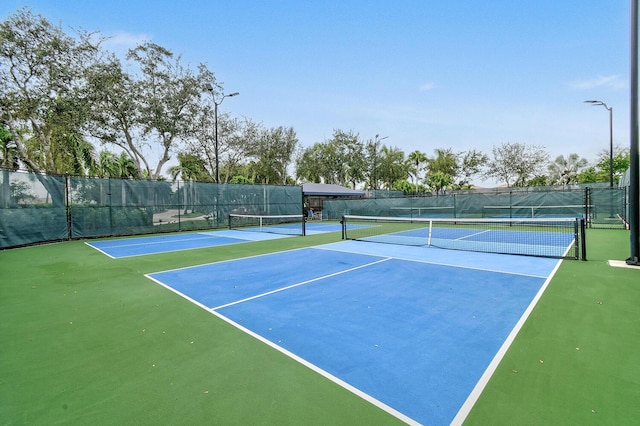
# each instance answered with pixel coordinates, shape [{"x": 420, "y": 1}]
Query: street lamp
[
  {"x": 209, "y": 88},
  {"x": 593, "y": 102}
]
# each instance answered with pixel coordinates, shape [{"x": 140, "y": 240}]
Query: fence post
[{"x": 67, "y": 202}]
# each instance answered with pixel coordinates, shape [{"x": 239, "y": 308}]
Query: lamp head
[{"x": 595, "y": 102}]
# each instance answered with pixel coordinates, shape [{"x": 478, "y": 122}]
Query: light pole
[
  {"x": 209, "y": 88},
  {"x": 593, "y": 102},
  {"x": 634, "y": 169}
]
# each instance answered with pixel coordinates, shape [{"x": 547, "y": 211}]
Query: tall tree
[
  {"x": 349, "y": 160},
  {"x": 445, "y": 161},
  {"x": 107, "y": 165},
  {"x": 372, "y": 156},
  {"x": 114, "y": 110},
  {"x": 190, "y": 168},
  {"x": 168, "y": 92},
  {"x": 41, "y": 81},
  {"x": 235, "y": 136},
  {"x": 417, "y": 158},
  {"x": 515, "y": 163},
  {"x": 310, "y": 165},
  {"x": 8, "y": 161},
  {"x": 392, "y": 166},
  {"x": 565, "y": 171},
  {"x": 273, "y": 152},
  {"x": 439, "y": 181},
  {"x": 621, "y": 162},
  {"x": 339, "y": 160},
  {"x": 471, "y": 163},
  {"x": 147, "y": 113}
]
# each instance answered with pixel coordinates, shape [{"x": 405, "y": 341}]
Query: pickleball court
[{"x": 414, "y": 330}]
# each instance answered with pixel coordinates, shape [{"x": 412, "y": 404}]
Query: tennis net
[
  {"x": 517, "y": 211},
  {"x": 557, "y": 238},
  {"x": 292, "y": 224}
]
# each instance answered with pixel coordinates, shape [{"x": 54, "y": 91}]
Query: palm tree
[
  {"x": 112, "y": 166},
  {"x": 81, "y": 155},
  {"x": 107, "y": 165},
  {"x": 127, "y": 167},
  {"x": 565, "y": 170},
  {"x": 190, "y": 168},
  {"x": 391, "y": 166},
  {"x": 439, "y": 181},
  {"x": 416, "y": 158}
]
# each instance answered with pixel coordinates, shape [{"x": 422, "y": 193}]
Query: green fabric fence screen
[{"x": 37, "y": 208}]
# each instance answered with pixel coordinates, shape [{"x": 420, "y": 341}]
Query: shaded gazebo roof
[{"x": 329, "y": 190}]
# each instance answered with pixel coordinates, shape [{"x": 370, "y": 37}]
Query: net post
[
  {"x": 304, "y": 212},
  {"x": 304, "y": 226},
  {"x": 583, "y": 240},
  {"x": 343, "y": 223},
  {"x": 430, "y": 231},
  {"x": 230, "y": 215}
]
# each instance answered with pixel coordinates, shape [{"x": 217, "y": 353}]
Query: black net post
[
  {"x": 304, "y": 226},
  {"x": 583, "y": 240}
]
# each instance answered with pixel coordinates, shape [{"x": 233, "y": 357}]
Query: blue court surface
[
  {"x": 552, "y": 244},
  {"x": 140, "y": 246},
  {"x": 313, "y": 228},
  {"x": 415, "y": 330}
]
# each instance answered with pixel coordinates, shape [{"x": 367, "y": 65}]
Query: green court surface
[{"x": 89, "y": 340}]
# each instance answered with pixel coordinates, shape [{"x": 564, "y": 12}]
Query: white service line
[{"x": 300, "y": 284}]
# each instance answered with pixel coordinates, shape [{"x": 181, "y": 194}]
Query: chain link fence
[
  {"x": 38, "y": 208},
  {"x": 601, "y": 207}
]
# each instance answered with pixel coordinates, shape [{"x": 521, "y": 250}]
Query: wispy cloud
[
  {"x": 614, "y": 81},
  {"x": 427, "y": 87},
  {"x": 123, "y": 40}
]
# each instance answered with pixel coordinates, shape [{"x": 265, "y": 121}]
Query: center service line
[{"x": 300, "y": 284}]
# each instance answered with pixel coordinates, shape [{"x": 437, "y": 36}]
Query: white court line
[
  {"x": 475, "y": 393},
  {"x": 207, "y": 236},
  {"x": 174, "y": 250},
  {"x": 103, "y": 252},
  {"x": 493, "y": 365},
  {"x": 475, "y": 268},
  {"x": 300, "y": 284},
  {"x": 473, "y": 235},
  {"x": 168, "y": 287},
  {"x": 392, "y": 411},
  {"x": 322, "y": 372},
  {"x": 147, "y": 243},
  {"x": 235, "y": 259}
]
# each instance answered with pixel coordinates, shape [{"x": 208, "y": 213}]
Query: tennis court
[{"x": 415, "y": 330}]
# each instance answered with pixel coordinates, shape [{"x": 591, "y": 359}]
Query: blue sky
[{"x": 427, "y": 74}]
